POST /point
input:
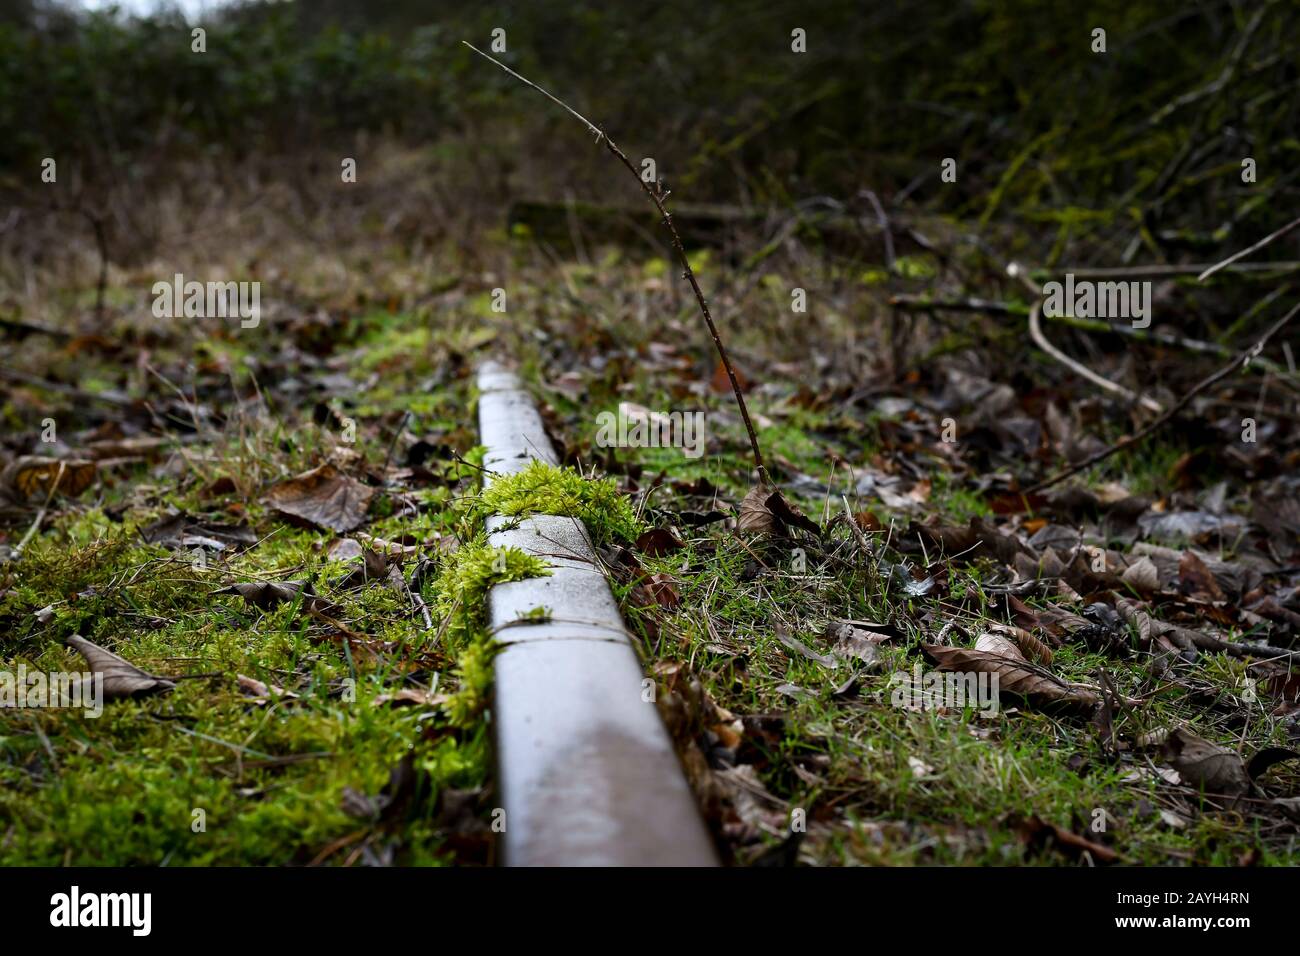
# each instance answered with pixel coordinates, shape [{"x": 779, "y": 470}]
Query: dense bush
[{"x": 1141, "y": 140}]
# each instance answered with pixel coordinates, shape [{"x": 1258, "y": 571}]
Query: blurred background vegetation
[{"x": 1133, "y": 155}]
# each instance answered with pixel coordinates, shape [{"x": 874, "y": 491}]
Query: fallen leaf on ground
[
  {"x": 261, "y": 691},
  {"x": 366, "y": 567},
  {"x": 853, "y": 642},
  {"x": 31, "y": 477},
  {"x": 1196, "y": 580},
  {"x": 121, "y": 677},
  {"x": 789, "y": 515},
  {"x": 1000, "y": 645},
  {"x": 754, "y": 513},
  {"x": 663, "y": 589},
  {"x": 1030, "y": 646},
  {"x": 179, "y": 530},
  {"x": 1142, "y": 575},
  {"x": 799, "y": 647},
  {"x": 1137, "y": 618},
  {"x": 265, "y": 595},
  {"x": 1017, "y": 677},
  {"x": 1205, "y": 765},
  {"x": 657, "y": 542},
  {"x": 323, "y": 497}
]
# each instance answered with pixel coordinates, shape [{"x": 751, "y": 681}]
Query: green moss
[
  {"x": 545, "y": 489},
  {"x": 460, "y": 598},
  {"x": 269, "y": 777},
  {"x": 272, "y": 776}
]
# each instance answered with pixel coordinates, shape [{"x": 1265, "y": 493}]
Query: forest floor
[{"x": 279, "y": 527}]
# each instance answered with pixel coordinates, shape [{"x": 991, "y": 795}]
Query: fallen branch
[
  {"x": 59, "y": 388},
  {"x": 1036, "y": 333},
  {"x": 1208, "y": 642},
  {"x": 1172, "y": 341},
  {"x": 22, "y": 329},
  {"x": 1168, "y": 414},
  {"x": 921, "y": 303},
  {"x": 1248, "y": 250},
  {"x": 657, "y": 194}
]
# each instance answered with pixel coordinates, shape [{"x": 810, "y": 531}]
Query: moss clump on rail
[
  {"x": 549, "y": 490},
  {"x": 460, "y": 596}
]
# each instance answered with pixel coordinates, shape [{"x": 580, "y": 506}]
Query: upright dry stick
[{"x": 657, "y": 196}]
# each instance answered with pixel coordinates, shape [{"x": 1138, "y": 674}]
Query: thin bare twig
[
  {"x": 1225, "y": 75},
  {"x": 1247, "y": 251},
  {"x": 657, "y": 194},
  {"x": 1184, "y": 269},
  {"x": 1127, "y": 442}
]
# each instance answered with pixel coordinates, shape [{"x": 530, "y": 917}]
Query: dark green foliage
[{"x": 1047, "y": 134}]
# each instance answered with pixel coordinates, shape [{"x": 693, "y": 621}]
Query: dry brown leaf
[
  {"x": 323, "y": 497},
  {"x": 1139, "y": 619},
  {"x": 753, "y": 802},
  {"x": 262, "y": 691},
  {"x": 789, "y": 515},
  {"x": 1196, "y": 579},
  {"x": 1205, "y": 765},
  {"x": 1142, "y": 575},
  {"x": 1017, "y": 677},
  {"x": 179, "y": 530},
  {"x": 754, "y": 513},
  {"x": 853, "y": 642},
  {"x": 31, "y": 477},
  {"x": 366, "y": 567},
  {"x": 799, "y": 647},
  {"x": 127, "y": 447},
  {"x": 1037, "y": 829},
  {"x": 663, "y": 589},
  {"x": 999, "y": 644},
  {"x": 265, "y": 595},
  {"x": 344, "y": 549},
  {"x": 657, "y": 542},
  {"x": 121, "y": 678},
  {"x": 1031, "y": 648}
]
